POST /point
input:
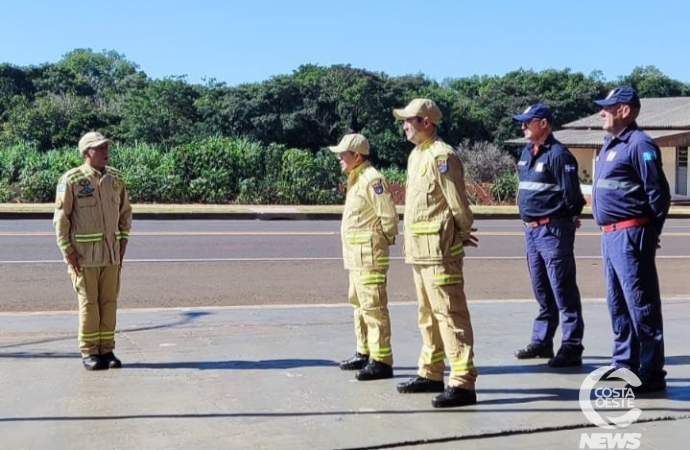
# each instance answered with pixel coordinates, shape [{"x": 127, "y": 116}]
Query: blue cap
[
  {"x": 536, "y": 111},
  {"x": 622, "y": 94}
]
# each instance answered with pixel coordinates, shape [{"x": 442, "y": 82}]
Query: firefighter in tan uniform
[
  {"x": 438, "y": 226},
  {"x": 369, "y": 227},
  {"x": 92, "y": 221}
]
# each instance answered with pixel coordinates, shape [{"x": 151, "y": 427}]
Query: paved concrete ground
[{"x": 266, "y": 378}]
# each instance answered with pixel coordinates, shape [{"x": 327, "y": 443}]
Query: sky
[{"x": 250, "y": 41}]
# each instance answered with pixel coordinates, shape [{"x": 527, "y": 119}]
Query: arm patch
[{"x": 442, "y": 164}]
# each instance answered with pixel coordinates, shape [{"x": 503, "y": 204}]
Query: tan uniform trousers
[
  {"x": 97, "y": 290},
  {"x": 444, "y": 321},
  {"x": 368, "y": 296}
]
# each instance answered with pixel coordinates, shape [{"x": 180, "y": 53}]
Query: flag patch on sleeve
[{"x": 649, "y": 156}]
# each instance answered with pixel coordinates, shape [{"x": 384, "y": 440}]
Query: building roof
[
  {"x": 659, "y": 117},
  {"x": 656, "y": 113},
  {"x": 593, "y": 138}
]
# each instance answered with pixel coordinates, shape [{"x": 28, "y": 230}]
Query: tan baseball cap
[
  {"x": 92, "y": 139},
  {"x": 352, "y": 143},
  {"x": 420, "y": 107}
]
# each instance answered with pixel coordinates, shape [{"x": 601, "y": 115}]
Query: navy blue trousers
[
  {"x": 551, "y": 263},
  {"x": 634, "y": 300}
]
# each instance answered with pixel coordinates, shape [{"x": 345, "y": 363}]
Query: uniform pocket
[
  {"x": 426, "y": 239},
  {"x": 359, "y": 245}
]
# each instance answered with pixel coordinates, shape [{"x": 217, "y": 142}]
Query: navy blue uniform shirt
[
  {"x": 549, "y": 184},
  {"x": 629, "y": 181}
]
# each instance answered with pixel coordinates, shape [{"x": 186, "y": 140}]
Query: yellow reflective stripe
[
  {"x": 358, "y": 238},
  {"x": 425, "y": 227},
  {"x": 64, "y": 244},
  {"x": 383, "y": 261},
  {"x": 122, "y": 235},
  {"x": 459, "y": 365},
  {"x": 437, "y": 357},
  {"x": 107, "y": 335},
  {"x": 363, "y": 349},
  {"x": 443, "y": 280},
  {"x": 89, "y": 337},
  {"x": 382, "y": 353},
  {"x": 88, "y": 237},
  {"x": 373, "y": 278},
  {"x": 457, "y": 249}
]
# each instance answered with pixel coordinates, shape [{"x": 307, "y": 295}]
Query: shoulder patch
[
  {"x": 62, "y": 187},
  {"x": 378, "y": 187},
  {"x": 569, "y": 167},
  {"x": 442, "y": 164},
  {"x": 649, "y": 156}
]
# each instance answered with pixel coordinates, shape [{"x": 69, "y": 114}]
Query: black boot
[
  {"x": 565, "y": 359},
  {"x": 111, "y": 360},
  {"x": 375, "y": 370},
  {"x": 419, "y": 385},
  {"x": 534, "y": 351},
  {"x": 357, "y": 362},
  {"x": 453, "y": 397},
  {"x": 94, "y": 362}
]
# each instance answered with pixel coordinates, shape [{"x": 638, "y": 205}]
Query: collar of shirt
[
  {"x": 545, "y": 145},
  {"x": 356, "y": 172},
  {"x": 90, "y": 171},
  {"x": 624, "y": 135},
  {"x": 427, "y": 144}
]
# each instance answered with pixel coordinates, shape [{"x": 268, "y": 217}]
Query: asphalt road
[{"x": 239, "y": 262}]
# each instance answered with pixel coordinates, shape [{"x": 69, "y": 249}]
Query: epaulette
[{"x": 75, "y": 175}]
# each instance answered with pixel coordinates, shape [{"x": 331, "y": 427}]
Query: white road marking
[
  {"x": 335, "y": 258},
  {"x": 298, "y": 306}
]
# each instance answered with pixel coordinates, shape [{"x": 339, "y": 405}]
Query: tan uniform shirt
[
  {"x": 370, "y": 221},
  {"x": 92, "y": 215},
  {"x": 437, "y": 213}
]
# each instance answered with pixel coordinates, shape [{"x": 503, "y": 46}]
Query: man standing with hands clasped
[
  {"x": 369, "y": 228},
  {"x": 549, "y": 200},
  {"x": 438, "y": 227},
  {"x": 92, "y": 221},
  {"x": 630, "y": 201}
]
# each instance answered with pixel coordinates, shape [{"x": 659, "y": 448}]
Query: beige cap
[
  {"x": 420, "y": 107},
  {"x": 92, "y": 139},
  {"x": 352, "y": 143}
]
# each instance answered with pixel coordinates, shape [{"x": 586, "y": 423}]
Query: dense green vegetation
[{"x": 261, "y": 142}]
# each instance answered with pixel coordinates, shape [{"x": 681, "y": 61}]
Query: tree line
[{"x": 49, "y": 106}]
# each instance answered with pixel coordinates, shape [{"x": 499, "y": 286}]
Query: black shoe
[
  {"x": 565, "y": 360},
  {"x": 534, "y": 351},
  {"x": 454, "y": 396},
  {"x": 357, "y": 362},
  {"x": 375, "y": 370},
  {"x": 111, "y": 360},
  {"x": 648, "y": 386},
  {"x": 419, "y": 384},
  {"x": 94, "y": 362}
]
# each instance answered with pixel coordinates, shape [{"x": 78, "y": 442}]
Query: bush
[
  {"x": 395, "y": 175},
  {"x": 309, "y": 180},
  {"x": 504, "y": 189},
  {"x": 484, "y": 162}
]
